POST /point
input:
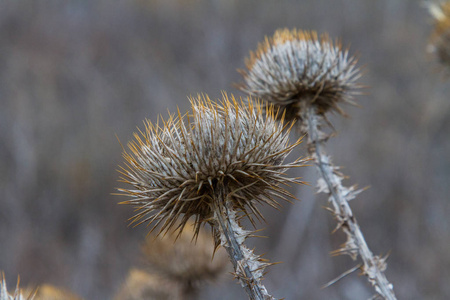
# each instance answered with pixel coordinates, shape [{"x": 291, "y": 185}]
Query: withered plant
[
  {"x": 307, "y": 76},
  {"x": 440, "y": 38},
  {"x": 174, "y": 268},
  {"x": 213, "y": 166},
  {"x": 43, "y": 292},
  {"x": 176, "y": 257},
  {"x": 51, "y": 292},
  {"x": 141, "y": 284}
]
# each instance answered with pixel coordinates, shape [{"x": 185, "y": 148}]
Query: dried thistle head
[
  {"x": 18, "y": 294},
  {"x": 295, "y": 67},
  {"x": 143, "y": 285},
  {"x": 440, "y": 38},
  {"x": 174, "y": 270},
  {"x": 175, "y": 168},
  {"x": 184, "y": 261}
]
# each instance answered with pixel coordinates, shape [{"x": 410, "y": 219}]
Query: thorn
[
  {"x": 341, "y": 276},
  {"x": 349, "y": 251}
]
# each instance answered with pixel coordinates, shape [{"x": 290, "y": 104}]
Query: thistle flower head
[
  {"x": 295, "y": 66},
  {"x": 175, "y": 168},
  {"x": 440, "y": 38}
]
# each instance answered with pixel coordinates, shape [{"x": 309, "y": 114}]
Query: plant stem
[
  {"x": 373, "y": 266},
  {"x": 248, "y": 267}
]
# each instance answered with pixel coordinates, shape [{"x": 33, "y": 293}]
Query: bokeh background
[{"x": 74, "y": 74}]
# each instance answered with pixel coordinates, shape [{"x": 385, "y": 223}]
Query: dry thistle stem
[
  {"x": 440, "y": 38},
  {"x": 214, "y": 166},
  {"x": 18, "y": 295},
  {"x": 297, "y": 65},
  {"x": 307, "y": 77}
]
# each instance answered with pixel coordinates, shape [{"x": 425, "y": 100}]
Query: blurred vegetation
[{"x": 73, "y": 74}]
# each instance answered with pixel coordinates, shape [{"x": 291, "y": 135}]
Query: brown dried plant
[
  {"x": 440, "y": 38},
  {"x": 175, "y": 267},
  {"x": 213, "y": 166},
  {"x": 141, "y": 284},
  {"x": 306, "y": 77},
  {"x": 177, "y": 257},
  {"x": 43, "y": 292},
  {"x": 51, "y": 292}
]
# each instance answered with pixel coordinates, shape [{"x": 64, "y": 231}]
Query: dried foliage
[
  {"x": 440, "y": 38},
  {"x": 143, "y": 285},
  {"x": 295, "y": 66},
  {"x": 50, "y": 292},
  {"x": 184, "y": 260},
  {"x": 174, "y": 168},
  {"x": 176, "y": 267}
]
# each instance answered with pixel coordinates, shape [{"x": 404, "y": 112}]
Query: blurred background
[{"x": 74, "y": 74}]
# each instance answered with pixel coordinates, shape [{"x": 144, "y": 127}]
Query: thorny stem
[
  {"x": 373, "y": 266},
  {"x": 246, "y": 264}
]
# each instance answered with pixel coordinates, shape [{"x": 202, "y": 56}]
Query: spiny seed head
[
  {"x": 296, "y": 66},
  {"x": 440, "y": 38},
  {"x": 18, "y": 295},
  {"x": 175, "y": 168},
  {"x": 184, "y": 261}
]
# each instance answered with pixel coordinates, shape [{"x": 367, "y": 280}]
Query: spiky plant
[
  {"x": 306, "y": 76},
  {"x": 296, "y": 66},
  {"x": 440, "y": 38},
  {"x": 18, "y": 295},
  {"x": 213, "y": 166}
]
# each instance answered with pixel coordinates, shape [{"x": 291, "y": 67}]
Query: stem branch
[
  {"x": 373, "y": 266},
  {"x": 248, "y": 267}
]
